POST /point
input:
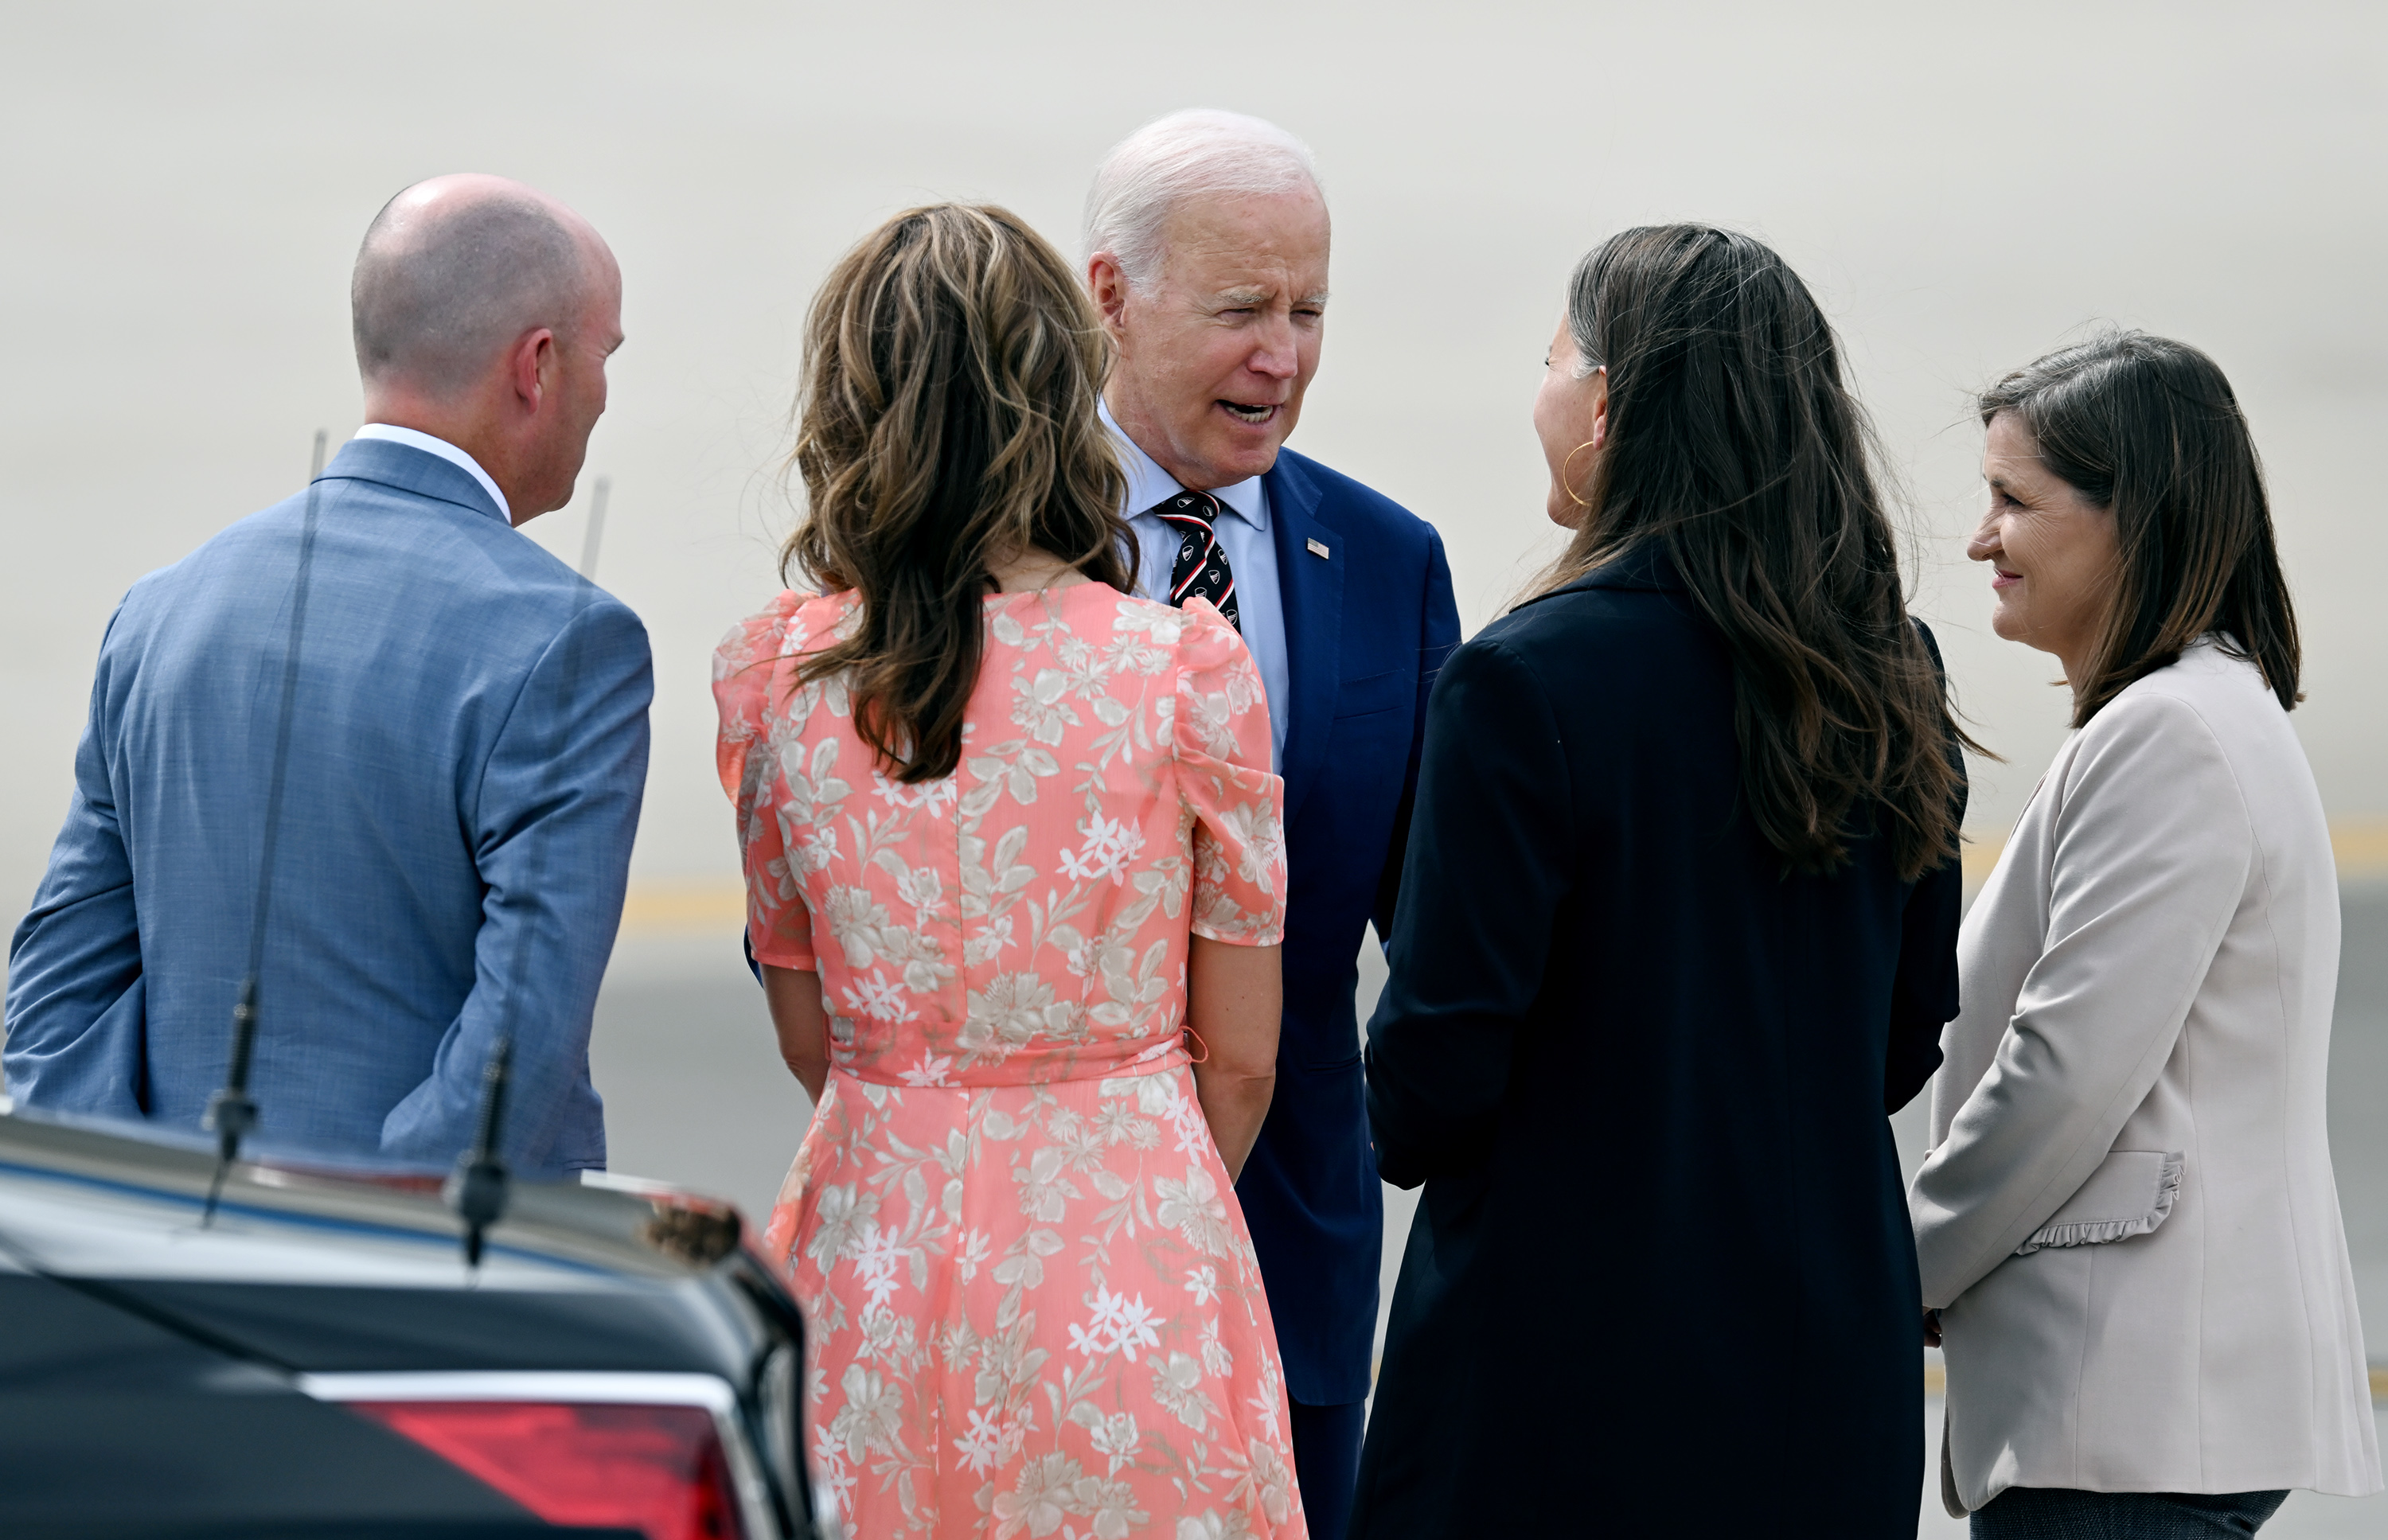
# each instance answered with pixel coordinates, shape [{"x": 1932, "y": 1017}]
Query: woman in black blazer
[{"x": 1676, "y": 931}]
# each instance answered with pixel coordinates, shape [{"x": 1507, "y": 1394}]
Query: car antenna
[
  {"x": 476, "y": 1189},
  {"x": 232, "y": 1112},
  {"x": 596, "y": 531},
  {"x": 479, "y": 1187}
]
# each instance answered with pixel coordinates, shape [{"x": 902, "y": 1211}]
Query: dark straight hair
[
  {"x": 2149, "y": 430},
  {"x": 949, "y": 419},
  {"x": 1735, "y": 449}
]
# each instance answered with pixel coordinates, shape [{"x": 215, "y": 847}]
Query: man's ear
[
  {"x": 1109, "y": 289},
  {"x": 533, "y": 357}
]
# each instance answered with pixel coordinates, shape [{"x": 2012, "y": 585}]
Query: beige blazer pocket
[{"x": 2130, "y": 1194}]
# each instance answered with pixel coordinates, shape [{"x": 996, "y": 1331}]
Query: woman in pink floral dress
[{"x": 1015, "y": 877}]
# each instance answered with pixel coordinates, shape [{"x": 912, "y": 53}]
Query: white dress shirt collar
[
  {"x": 1148, "y": 484},
  {"x": 416, "y": 439}
]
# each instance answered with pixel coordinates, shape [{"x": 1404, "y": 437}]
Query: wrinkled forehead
[
  {"x": 1268, "y": 243},
  {"x": 2009, "y": 451}
]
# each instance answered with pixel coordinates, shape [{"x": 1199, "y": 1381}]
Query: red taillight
[{"x": 658, "y": 1470}]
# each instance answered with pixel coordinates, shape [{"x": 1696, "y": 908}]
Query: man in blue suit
[
  {"x": 467, "y": 746},
  {"x": 1207, "y": 241}
]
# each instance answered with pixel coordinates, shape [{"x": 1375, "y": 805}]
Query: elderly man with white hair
[{"x": 1207, "y": 238}]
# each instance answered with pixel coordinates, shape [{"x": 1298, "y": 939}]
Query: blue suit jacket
[
  {"x": 468, "y": 750},
  {"x": 1367, "y": 624}
]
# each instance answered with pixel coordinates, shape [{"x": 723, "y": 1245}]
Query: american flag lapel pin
[{"x": 1317, "y": 548}]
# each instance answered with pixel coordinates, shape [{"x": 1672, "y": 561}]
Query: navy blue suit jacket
[
  {"x": 468, "y": 752},
  {"x": 1368, "y": 623}
]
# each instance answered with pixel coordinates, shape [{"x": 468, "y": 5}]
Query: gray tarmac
[{"x": 696, "y": 1094}]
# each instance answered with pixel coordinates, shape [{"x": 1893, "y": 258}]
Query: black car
[{"x": 312, "y": 1354}]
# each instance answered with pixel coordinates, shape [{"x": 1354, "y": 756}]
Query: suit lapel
[{"x": 1312, "y": 591}]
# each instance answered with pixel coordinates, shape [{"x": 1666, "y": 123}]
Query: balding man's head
[
  {"x": 455, "y": 269},
  {"x": 485, "y": 313}
]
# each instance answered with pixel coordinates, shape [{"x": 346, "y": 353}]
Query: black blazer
[{"x": 1663, "y": 1250}]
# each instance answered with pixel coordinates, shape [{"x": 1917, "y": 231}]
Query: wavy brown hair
[
  {"x": 1735, "y": 449},
  {"x": 947, "y": 422},
  {"x": 2150, "y": 430}
]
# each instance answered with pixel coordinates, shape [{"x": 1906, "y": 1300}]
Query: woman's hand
[
  {"x": 802, "y": 1023},
  {"x": 1234, "y": 998}
]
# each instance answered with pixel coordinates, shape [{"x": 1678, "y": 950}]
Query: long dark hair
[
  {"x": 2149, "y": 430},
  {"x": 1734, "y": 448},
  {"x": 948, "y": 419}
]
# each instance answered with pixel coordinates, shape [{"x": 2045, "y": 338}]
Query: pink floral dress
[{"x": 1033, "y": 1307}]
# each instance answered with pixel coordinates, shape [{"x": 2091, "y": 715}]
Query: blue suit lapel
[{"x": 1312, "y": 591}]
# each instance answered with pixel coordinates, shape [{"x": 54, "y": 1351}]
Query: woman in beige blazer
[{"x": 2128, "y": 1226}]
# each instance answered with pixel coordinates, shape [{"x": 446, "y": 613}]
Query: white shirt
[
  {"x": 1251, "y": 557},
  {"x": 450, "y": 453}
]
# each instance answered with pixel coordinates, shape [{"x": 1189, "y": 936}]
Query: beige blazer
[{"x": 2127, "y": 1218}]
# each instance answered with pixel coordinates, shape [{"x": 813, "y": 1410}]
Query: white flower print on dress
[
  {"x": 1161, "y": 1096},
  {"x": 1178, "y": 1385},
  {"x": 876, "y": 1258},
  {"x": 1045, "y": 1187},
  {"x": 1268, "y": 1479},
  {"x": 1115, "y": 1438},
  {"x": 1117, "y": 1325},
  {"x": 1217, "y": 1359},
  {"x": 880, "y": 999},
  {"x": 932, "y": 1069},
  {"x": 931, "y": 795},
  {"x": 1194, "y": 1209},
  {"x": 1007, "y": 1363},
  {"x": 920, "y": 888},
  {"x": 987, "y": 942},
  {"x": 1111, "y": 845},
  {"x": 829, "y": 1454},
  {"x": 1043, "y": 707},
  {"x": 871, "y": 1417},
  {"x": 978, "y": 1445},
  {"x": 1047, "y": 1493},
  {"x": 1033, "y": 1304},
  {"x": 813, "y": 792},
  {"x": 1217, "y": 1525},
  {"x": 859, "y": 923},
  {"x": 1113, "y": 1507},
  {"x": 1117, "y": 1121},
  {"x": 818, "y": 852},
  {"x": 1262, "y": 836},
  {"x": 843, "y": 1214}
]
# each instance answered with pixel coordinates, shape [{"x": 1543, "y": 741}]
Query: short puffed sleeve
[
  {"x": 752, "y": 674},
  {"x": 1237, "y": 804}
]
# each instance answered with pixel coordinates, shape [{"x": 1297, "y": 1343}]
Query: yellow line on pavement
[
  {"x": 2360, "y": 845},
  {"x": 690, "y": 905},
  {"x": 684, "y": 906},
  {"x": 2361, "y": 848}
]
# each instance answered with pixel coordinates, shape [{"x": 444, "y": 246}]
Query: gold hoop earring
[{"x": 1564, "y": 477}]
